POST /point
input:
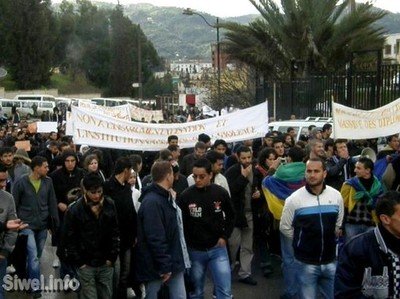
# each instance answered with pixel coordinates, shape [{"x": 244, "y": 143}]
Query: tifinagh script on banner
[
  {"x": 96, "y": 129},
  {"x": 352, "y": 123}
]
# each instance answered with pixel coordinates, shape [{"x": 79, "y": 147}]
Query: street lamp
[{"x": 190, "y": 12}]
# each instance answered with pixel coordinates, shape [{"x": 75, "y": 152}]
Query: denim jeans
[
  {"x": 217, "y": 260},
  {"x": 125, "y": 268},
  {"x": 3, "y": 267},
  {"x": 356, "y": 229},
  {"x": 34, "y": 247},
  {"x": 289, "y": 267},
  {"x": 314, "y": 278},
  {"x": 176, "y": 285},
  {"x": 96, "y": 282}
]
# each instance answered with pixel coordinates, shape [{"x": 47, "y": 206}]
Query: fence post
[
  {"x": 379, "y": 79},
  {"x": 349, "y": 87}
]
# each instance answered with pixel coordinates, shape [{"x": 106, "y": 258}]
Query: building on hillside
[
  {"x": 391, "y": 48},
  {"x": 190, "y": 67}
]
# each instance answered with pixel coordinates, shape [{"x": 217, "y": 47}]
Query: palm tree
[{"x": 316, "y": 35}]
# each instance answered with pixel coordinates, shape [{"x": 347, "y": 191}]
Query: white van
[
  {"x": 300, "y": 125},
  {"x": 35, "y": 97},
  {"x": 107, "y": 102},
  {"x": 25, "y": 108}
]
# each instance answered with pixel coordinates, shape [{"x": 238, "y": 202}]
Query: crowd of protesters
[{"x": 149, "y": 223}]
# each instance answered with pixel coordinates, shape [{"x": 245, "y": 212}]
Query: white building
[
  {"x": 391, "y": 47},
  {"x": 190, "y": 67}
]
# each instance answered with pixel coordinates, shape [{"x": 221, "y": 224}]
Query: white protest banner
[
  {"x": 69, "y": 128},
  {"x": 46, "y": 126},
  {"x": 120, "y": 112},
  {"x": 148, "y": 115},
  {"x": 352, "y": 123},
  {"x": 99, "y": 130}
]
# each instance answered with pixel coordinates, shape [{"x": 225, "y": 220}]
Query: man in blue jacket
[
  {"x": 161, "y": 248},
  {"x": 369, "y": 264}
]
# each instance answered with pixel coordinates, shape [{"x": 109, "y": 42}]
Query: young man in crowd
[
  {"x": 369, "y": 263},
  {"x": 311, "y": 218},
  {"x": 36, "y": 203},
  {"x": 91, "y": 239},
  {"x": 360, "y": 195},
  {"x": 340, "y": 167},
  {"x": 9, "y": 225},
  {"x": 186, "y": 166},
  {"x": 244, "y": 186},
  {"x": 119, "y": 190},
  {"x": 161, "y": 251},
  {"x": 208, "y": 220}
]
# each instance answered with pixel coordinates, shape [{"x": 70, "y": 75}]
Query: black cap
[{"x": 269, "y": 135}]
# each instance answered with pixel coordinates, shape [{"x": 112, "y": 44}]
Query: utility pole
[
  {"x": 352, "y": 6},
  {"x": 139, "y": 50},
  {"x": 218, "y": 65}
]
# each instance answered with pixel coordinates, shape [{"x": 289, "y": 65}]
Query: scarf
[{"x": 362, "y": 194}]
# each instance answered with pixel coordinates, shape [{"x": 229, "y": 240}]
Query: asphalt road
[{"x": 267, "y": 288}]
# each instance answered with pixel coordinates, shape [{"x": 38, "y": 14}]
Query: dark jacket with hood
[
  {"x": 159, "y": 249},
  {"x": 67, "y": 184}
]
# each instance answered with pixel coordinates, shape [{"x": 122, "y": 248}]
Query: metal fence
[{"x": 312, "y": 96}]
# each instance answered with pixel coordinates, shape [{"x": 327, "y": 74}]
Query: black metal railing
[{"x": 313, "y": 95}]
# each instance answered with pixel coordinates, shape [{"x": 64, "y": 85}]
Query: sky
[{"x": 229, "y": 8}]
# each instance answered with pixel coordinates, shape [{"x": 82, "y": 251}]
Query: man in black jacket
[
  {"x": 67, "y": 185},
  {"x": 369, "y": 264},
  {"x": 161, "y": 249},
  {"x": 244, "y": 184},
  {"x": 208, "y": 219},
  {"x": 340, "y": 167},
  {"x": 119, "y": 190},
  {"x": 91, "y": 239}
]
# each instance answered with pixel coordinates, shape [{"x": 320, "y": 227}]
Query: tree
[
  {"x": 92, "y": 31},
  {"x": 313, "y": 35},
  {"x": 236, "y": 88},
  {"x": 66, "y": 27},
  {"x": 29, "y": 42},
  {"x": 122, "y": 50}
]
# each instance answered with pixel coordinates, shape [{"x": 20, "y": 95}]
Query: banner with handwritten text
[
  {"x": 96, "y": 129},
  {"x": 352, "y": 123},
  {"x": 121, "y": 112}
]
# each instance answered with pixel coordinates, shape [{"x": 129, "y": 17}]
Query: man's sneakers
[
  {"x": 248, "y": 280},
  {"x": 56, "y": 263},
  {"x": 10, "y": 269}
]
